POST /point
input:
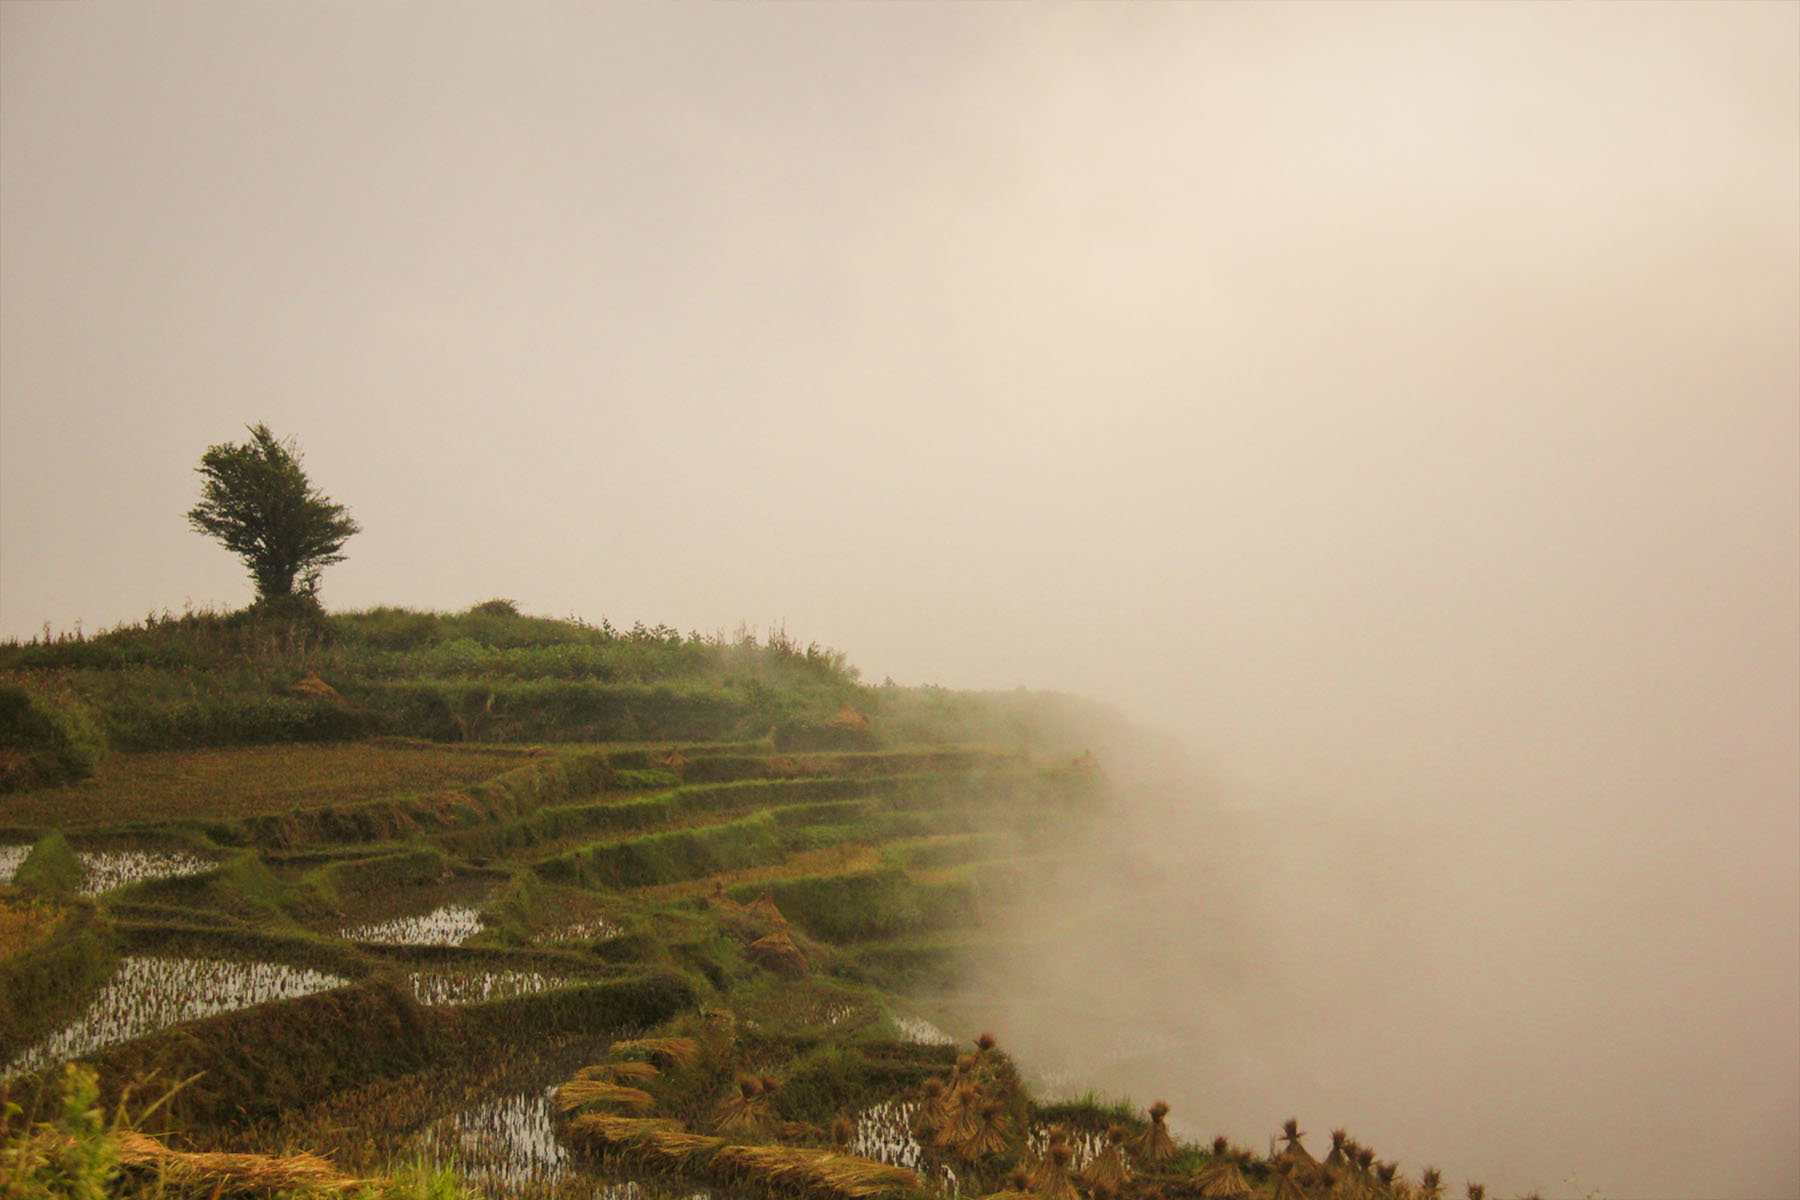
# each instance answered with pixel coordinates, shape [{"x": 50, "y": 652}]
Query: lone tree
[{"x": 259, "y": 503}]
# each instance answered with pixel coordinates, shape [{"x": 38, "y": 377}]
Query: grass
[
  {"x": 251, "y": 781},
  {"x": 707, "y": 916}
]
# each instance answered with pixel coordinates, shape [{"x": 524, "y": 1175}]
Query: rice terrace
[{"x": 402, "y": 903}]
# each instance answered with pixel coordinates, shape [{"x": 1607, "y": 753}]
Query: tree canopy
[{"x": 257, "y": 500}]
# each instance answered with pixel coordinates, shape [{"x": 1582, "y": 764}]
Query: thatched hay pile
[
  {"x": 1154, "y": 1147},
  {"x": 777, "y": 952}
]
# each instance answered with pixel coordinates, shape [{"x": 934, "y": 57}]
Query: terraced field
[{"x": 410, "y": 974}]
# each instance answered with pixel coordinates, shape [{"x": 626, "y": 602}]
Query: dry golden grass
[
  {"x": 597, "y": 1091},
  {"x": 827, "y": 860},
  {"x": 253, "y": 780},
  {"x": 24, "y": 922},
  {"x": 669, "y": 1053}
]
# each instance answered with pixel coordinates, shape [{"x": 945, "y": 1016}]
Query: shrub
[
  {"x": 51, "y": 868},
  {"x": 46, "y": 737}
]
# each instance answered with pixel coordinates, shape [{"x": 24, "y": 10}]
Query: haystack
[
  {"x": 1050, "y": 1178},
  {"x": 989, "y": 1133},
  {"x": 1294, "y": 1152},
  {"x": 764, "y": 907},
  {"x": 314, "y": 688},
  {"x": 1431, "y": 1184},
  {"x": 1154, "y": 1147},
  {"x": 1227, "y": 1180},
  {"x": 849, "y": 719},
  {"x": 933, "y": 1111},
  {"x": 1288, "y": 1179},
  {"x": 777, "y": 953}
]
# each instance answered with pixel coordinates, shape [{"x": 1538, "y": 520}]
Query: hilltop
[{"x": 543, "y": 906}]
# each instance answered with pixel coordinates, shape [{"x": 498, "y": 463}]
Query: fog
[{"x": 1397, "y": 405}]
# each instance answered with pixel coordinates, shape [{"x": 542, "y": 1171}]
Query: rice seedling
[
  {"x": 885, "y": 1133},
  {"x": 1108, "y": 1167},
  {"x": 594, "y": 930},
  {"x": 921, "y": 1031},
  {"x": 473, "y": 987},
  {"x": 1154, "y": 1147},
  {"x": 147, "y": 994},
  {"x": 502, "y": 1144},
  {"x": 446, "y": 925}
]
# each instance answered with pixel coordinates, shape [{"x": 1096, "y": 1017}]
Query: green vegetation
[
  {"x": 258, "y": 502},
  {"x": 371, "y": 883}
]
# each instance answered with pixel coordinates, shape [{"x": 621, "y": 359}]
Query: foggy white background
[{"x": 1400, "y": 403}]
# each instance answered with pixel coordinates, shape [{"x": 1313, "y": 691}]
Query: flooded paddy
[
  {"x": 147, "y": 994},
  {"x": 594, "y": 929},
  {"x": 446, "y": 925},
  {"x": 472, "y": 987},
  {"x": 104, "y": 870},
  {"x": 885, "y": 1134},
  {"x": 918, "y": 1029}
]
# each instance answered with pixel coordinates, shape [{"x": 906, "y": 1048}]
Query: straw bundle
[
  {"x": 669, "y": 1053},
  {"x": 1294, "y": 1152},
  {"x": 777, "y": 953},
  {"x": 989, "y": 1133},
  {"x": 1154, "y": 1147},
  {"x": 934, "y": 1109},
  {"x": 821, "y": 1174},
  {"x": 764, "y": 906},
  {"x": 620, "y": 1072},
  {"x": 747, "y": 1108},
  {"x": 231, "y": 1172},
  {"x": 1339, "y": 1157},
  {"x": 1050, "y": 1178},
  {"x": 676, "y": 1149},
  {"x": 577, "y": 1092},
  {"x": 602, "y": 1132},
  {"x": 962, "y": 1114},
  {"x": 1288, "y": 1179},
  {"x": 1221, "y": 1177},
  {"x": 1107, "y": 1168},
  {"x": 843, "y": 1130}
]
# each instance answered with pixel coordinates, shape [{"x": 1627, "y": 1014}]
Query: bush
[
  {"x": 45, "y": 738},
  {"x": 51, "y": 868}
]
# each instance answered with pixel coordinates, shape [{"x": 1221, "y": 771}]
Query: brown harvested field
[{"x": 257, "y": 779}]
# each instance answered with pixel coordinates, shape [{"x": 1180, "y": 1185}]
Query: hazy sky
[{"x": 1402, "y": 402}]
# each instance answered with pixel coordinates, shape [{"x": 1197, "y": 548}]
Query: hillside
[{"x": 374, "y": 883}]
